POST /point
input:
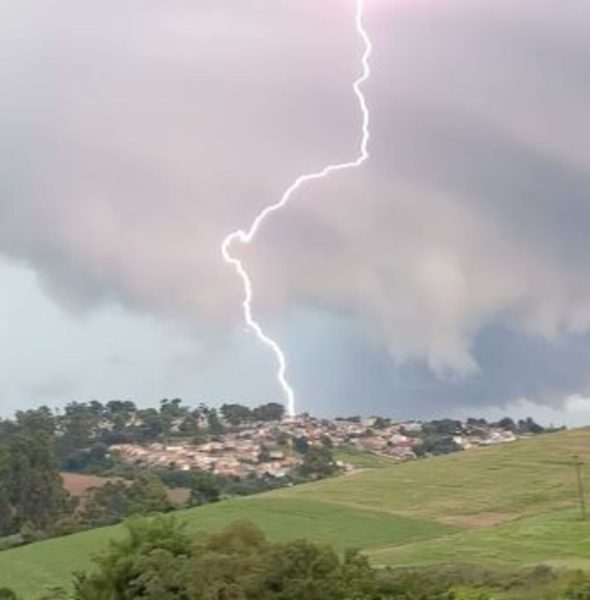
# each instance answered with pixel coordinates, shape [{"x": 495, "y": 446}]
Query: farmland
[{"x": 510, "y": 505}]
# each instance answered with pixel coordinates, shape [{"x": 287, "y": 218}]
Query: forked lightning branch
[{"x": 248, "y": 236}]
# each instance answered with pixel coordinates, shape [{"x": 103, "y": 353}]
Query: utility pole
[{"x": 578, "y": 464}]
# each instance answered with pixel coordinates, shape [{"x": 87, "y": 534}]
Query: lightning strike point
[{"x": 246, "y": 237}]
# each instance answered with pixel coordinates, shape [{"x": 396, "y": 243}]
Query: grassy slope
[
  {"x": 530, "y": 476},
  {"x": 362, "y": 460},
  {"x": 513, "y": 504},
  {"x": 31, "y": 568},
  {"x": 559, "y": 538}
]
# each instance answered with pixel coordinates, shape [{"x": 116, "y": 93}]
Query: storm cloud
[{"x": 136, "y": 135}]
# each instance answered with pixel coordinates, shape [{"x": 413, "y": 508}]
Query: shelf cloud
[{"x": 136, "y": 135}]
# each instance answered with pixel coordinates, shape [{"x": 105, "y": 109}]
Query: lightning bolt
[{"x": 247, "y": 236}]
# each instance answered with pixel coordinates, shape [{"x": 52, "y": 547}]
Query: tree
[
  {"x": 301, "y": 569},
  {"x": 189, "y": 425},
  {"x": 318, "y": 462},
  {"x": 507, "y": 423},
  {"x": 96, "y": 408},
  {"x": 408, "y": 584},
  {"x": 240, "y": 564},
  {"x": 107, "y": 504},
  {"x": 94, "y": 459},
  {"x": 443, "y": 427},
  {"x": 381, "y": 423},
  {"x": 436, "y": 446},
  {"x": 78, "y": 425},
  {"x": 173, "y": 408},
  {"x": 119, "y": 413},
  {"x": 6, "y": 520},
  {"x": 213, "y": 422},
  {"x": 269, "y": 412},
  {"x": 228, "y": 564},
  {"x": 205, "y": 488},
  {"x": 7, "y": 428},
  {"x": 147, "y": 494},
  {"x": 171, "y": 412},
  {"x": 156, "y": 560},
  {"x": 301, "y": 445},
  {"x": 149, "y": 562},
  {"x": 235, "y": 414},
  {"x": 35, "y": 487},
  {"x": 116, "y": 500},
  {"x": 528, "y": 425},
  {"x": 150, "y": 425},
  {"x": 120, "y": 407}
]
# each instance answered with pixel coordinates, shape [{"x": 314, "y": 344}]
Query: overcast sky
[{"x": 450, "y": 275}]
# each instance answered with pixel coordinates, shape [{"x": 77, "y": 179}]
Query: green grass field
[
  {"x": 559, "y": 538},
  {"x": 511, "y": 505},
  {"x": 29, "y": 569},
  {"x": 362, "y": 460},
  {"x": 467, "y": 488}
]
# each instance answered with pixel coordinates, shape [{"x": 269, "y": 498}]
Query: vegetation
[
  {"x": 32, "y": 496},
  {"x": 38, "y": 444},
  {"x": 557, "y": 538},
  {"x": 80, "y": 436},
  {"x": 157, "y": 560},
  {"x": 490, "y": 513},
  {"x": 578, "y": 587},
  {"x": 117, "y": 499},
  {"x": 31, "y": 569},
  {"x": 362, "y": 460},
  {"x": 476, "y": 488},
  {"x": 438, "y": 436},
  {"x": 236, "y": 414}
]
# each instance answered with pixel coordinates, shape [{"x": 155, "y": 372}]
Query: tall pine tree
[{"x": 35, "y": 488}]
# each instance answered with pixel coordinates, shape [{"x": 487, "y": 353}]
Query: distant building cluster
[
  {"x": 234, "y": 455},
  {"x": 275, "y": 449}
]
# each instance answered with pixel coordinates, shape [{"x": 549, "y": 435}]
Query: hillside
[{"x": 511, "y": 504}]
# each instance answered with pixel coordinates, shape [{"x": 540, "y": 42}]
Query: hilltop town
[
  {"x": 275, "y": 448},
  {"x": 238, "y": 442}
]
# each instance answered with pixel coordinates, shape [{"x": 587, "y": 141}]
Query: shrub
[{"x": 578, "y": 587}]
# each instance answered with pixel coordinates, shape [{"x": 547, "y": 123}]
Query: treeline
[
  {"x": 526, "y": 426},
  {"x": 159, "y": 561},
  {"x": 438, "y": 436},
  {"x": 33, "y": 501},
  {"x": 83, "y": 431},
  {"x": 38, "y": 444},
  {"x": 237, "y": 414}
]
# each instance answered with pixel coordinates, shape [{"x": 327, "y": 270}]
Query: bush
[
  {"x": 11, "y": 541},
  {"x": 117, "y": 499},
  {"x": 147, "y": 563},
  {"x": 158, "y": 561},
  {"x": 578, "y": 587}
]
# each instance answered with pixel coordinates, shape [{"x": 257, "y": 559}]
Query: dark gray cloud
[
  {"x": 342, "y": 373},
  {"x": 134, "y": 136}
]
